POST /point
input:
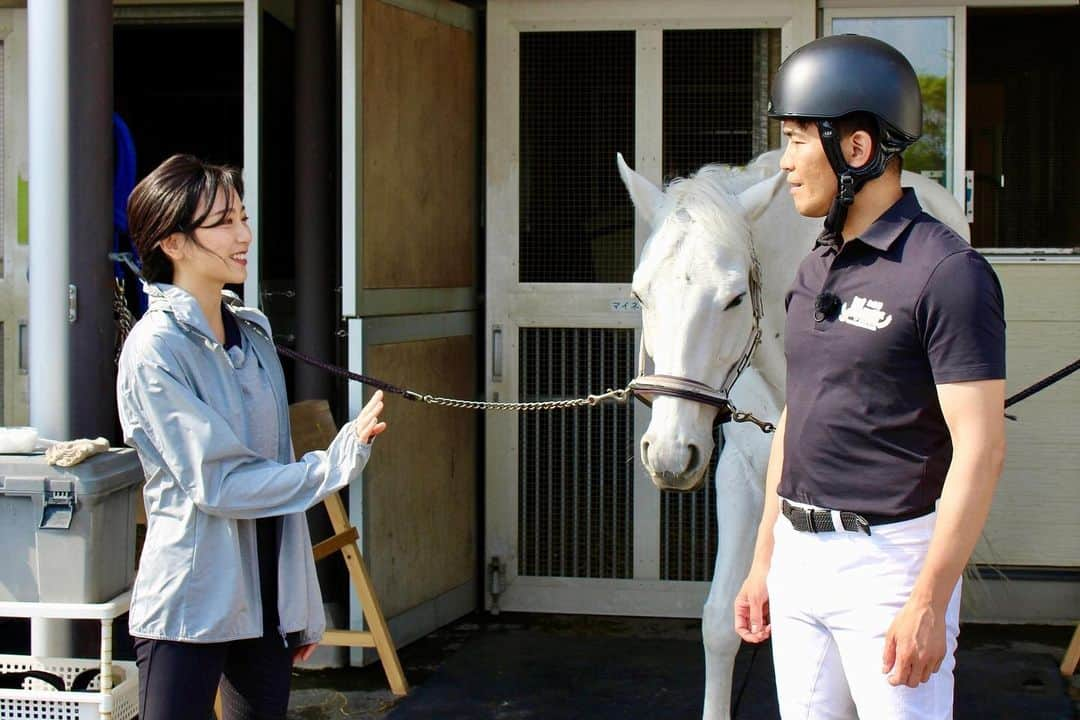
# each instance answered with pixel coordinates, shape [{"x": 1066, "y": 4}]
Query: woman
[{"x": 226, "y": 589}]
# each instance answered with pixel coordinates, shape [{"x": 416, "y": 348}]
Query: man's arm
[
  {"x": 974, "y": 413},
  {"x": 752, "y": 603}
]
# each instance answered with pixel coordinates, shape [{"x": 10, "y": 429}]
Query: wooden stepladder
[
  {"x": 378, "y": 636},
  {"x": 1072, "y": 655},
  {"x": 313, "y": 428}
]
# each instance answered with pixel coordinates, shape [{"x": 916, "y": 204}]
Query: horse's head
[{"x": 694, "y": 284}]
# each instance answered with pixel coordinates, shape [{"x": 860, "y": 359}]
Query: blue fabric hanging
[
  {"x": 123, "y": 184},
  {"x": 124, "y": 175}
]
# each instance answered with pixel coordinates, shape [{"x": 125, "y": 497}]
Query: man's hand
[
  {"x": 915, "y": 644},
  {"x": 368, "y": 426},
  {"x": 752, "y": 608}
]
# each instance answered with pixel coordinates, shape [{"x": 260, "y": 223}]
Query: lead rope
[
  {"x": 620, "y": 395},
  {"x": 1042, "y": 384},
  {"x": 588, "y": 401}
]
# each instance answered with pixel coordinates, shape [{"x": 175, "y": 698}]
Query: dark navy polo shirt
[{"x": 917, "y": 307}]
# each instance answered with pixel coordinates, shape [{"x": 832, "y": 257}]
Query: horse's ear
[
  {"x": 645, "y": 196},
  {"x": 757, "y": 197}
]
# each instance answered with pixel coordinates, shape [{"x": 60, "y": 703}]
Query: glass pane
[
  {"x": 927, "y": 42},
  {"x": 716, "y": 89},
  {"x": 1022, "y": 148},
  {"x": 577, "y": 110}
]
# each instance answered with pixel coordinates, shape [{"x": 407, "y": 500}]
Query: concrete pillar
[
  {"x": 50, "y": 194},
  {"x": 71, "y": 175}
]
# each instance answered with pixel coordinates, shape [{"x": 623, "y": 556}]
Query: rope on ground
[{"x": 745, "y": 681}]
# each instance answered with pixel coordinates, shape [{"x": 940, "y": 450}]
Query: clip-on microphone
[{"x": 826, "y": 304}]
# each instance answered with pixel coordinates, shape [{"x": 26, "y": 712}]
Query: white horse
[{"x": 693, "y": 283}]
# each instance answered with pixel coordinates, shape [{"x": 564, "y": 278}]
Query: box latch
[{"x": 57, "y": 507}]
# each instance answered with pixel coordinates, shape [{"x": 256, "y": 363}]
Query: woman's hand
[
  {"x": 303, "y": 652},
  {"x": 368, "y": 425}
]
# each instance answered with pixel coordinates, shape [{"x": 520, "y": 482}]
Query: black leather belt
[{"x": 815, "y": 521}]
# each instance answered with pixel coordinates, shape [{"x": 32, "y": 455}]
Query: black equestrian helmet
[{"x": 838, "y": 75}]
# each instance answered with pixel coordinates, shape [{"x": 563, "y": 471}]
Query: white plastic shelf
[
  {"x": 81, "y": 705},
  {"x": 68, "y": 611}
]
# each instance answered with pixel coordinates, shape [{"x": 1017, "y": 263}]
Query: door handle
[{"x": 496, "y": 353}]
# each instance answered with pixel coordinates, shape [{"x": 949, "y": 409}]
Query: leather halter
[{"x": 643, "y": 387}]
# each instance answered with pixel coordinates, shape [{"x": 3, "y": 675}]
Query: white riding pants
[{"x": 832, "y": 598}]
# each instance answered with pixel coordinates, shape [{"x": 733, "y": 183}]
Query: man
[{"x": 887, "y": 454}]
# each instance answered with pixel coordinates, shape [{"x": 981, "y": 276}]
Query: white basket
[{"x": 40, "y": 701}]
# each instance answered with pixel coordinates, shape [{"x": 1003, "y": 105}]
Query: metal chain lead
[{"x": 589, "y": 401}]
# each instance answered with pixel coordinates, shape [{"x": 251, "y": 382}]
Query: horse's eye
[{"x": 734, "y": 303}]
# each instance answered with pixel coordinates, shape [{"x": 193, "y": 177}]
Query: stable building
[{"x": 433, "y": 192}]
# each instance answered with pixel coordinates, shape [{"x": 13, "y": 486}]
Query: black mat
[
  {"x": 531, "y": 675},
  {"x": 1010, "y": 685}
]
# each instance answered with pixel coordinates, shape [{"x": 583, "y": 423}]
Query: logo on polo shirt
[{"x": 865, "y": 313}]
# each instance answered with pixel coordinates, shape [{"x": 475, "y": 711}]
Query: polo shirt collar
[{"x": 884, "y": 231}]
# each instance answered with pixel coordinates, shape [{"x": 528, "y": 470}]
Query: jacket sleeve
[{"x": 167, "y": 423}]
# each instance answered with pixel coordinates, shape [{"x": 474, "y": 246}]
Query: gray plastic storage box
[{"x": 68, "y": 534}]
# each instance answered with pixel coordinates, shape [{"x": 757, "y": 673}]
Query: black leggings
[{"x": 177, "y": 680}]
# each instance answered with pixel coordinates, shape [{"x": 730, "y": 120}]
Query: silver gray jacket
[{"x": 181, "y": 408}]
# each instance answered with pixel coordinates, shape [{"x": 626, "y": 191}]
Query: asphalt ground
[{"x": 520, "y": 666}]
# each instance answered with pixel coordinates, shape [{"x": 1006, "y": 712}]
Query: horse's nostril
[
  {"x": 645, "y": 451},
  {"x": 695, "y": 458}
]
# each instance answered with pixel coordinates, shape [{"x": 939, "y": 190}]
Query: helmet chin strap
[{"x": 849, "y": 180}]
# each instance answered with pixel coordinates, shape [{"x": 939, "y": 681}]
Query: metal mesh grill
[
  {"x": 577, "y": 111},
  {"x": 576, "y": 467},
  {"x": 688, "y": 528},
  {"x": 716, "y": 92}
]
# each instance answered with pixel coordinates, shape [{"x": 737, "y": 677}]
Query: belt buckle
[{"x": 810, "y": 520}]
